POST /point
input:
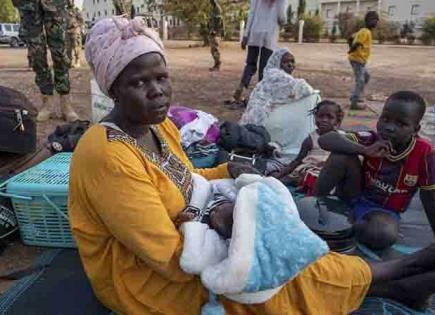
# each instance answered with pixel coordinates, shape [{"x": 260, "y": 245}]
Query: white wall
[
  {"x": 310, "y": 7},
  {"x": 98, "y": 9},
  {"x": 409, "y": 10},
  {"x": 396, "y": 10}
]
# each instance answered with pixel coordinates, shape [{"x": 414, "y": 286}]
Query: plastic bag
[
  {"x": 289, "y": 125},
  {"x": 428, "y": 124},
  {"x": 101, "y": 104}
]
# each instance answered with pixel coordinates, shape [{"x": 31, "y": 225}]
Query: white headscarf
[
  {"x": 114, "y": 42},
  {"x": 277, "y": 88}
]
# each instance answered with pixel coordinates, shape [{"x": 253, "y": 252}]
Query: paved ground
[{"x": 324, "y": 66}]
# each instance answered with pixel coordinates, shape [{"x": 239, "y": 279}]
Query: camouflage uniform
[
  {"x": 215, "y": 25},
  {"x": 73, "y": 35},
  {"x": 124, "y": 7},
  {"x": 21, "y": 33},
  {"x": 42, "y": 24}
]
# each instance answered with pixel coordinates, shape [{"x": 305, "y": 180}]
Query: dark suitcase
[{"x": 17, "y": 122}]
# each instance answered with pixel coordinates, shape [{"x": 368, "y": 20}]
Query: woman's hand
[{"x": 236, "y": 169}]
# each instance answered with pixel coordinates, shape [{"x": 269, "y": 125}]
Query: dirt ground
[{"x": 324, "y": 66}]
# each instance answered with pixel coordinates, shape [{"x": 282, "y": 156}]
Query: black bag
[
  {"x": 17, "y": 122},
  {"x": 247, "y": 144},
  {"x": 8, "y": 223},
  {"x": 248, "y": 137},
  {"x": 65, "y": 138}
]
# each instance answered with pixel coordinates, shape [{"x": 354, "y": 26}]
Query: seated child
[
  {"x": 397, "y": 163},
  {"x": 305, "y": 169}
]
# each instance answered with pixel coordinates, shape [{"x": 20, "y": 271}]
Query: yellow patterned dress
[{"x": 123, "y": 201}]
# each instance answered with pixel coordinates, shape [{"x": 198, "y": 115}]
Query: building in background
[
  {"x": 93, "y": 10},
  {"x": 401, "y": 11},
  {"x": 312, "y": 7}
]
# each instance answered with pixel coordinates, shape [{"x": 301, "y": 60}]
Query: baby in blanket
[{"x": 245, "y": 238}]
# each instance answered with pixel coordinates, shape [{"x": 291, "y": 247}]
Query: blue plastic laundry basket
[{"x": 39, "y": 196}]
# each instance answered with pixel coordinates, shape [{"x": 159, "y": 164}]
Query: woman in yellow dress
[{"x": 130, "y": 180}]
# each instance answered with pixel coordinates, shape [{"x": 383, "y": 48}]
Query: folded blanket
[{"x": 270, "y": 245}]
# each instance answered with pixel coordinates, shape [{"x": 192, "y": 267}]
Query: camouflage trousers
[
  {"x": 123, "y": 7},
  {"x": 214, "y": 48},
  {"x": 73, "y": 46},
  {"x": 42, "y": 25}
]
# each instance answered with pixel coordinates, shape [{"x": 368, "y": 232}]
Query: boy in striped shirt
[{"x": 396, "y": 163}]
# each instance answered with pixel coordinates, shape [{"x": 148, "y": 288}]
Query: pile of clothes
[{"x": 209, "y": 143}]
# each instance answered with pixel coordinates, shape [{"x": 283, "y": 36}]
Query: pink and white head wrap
[{"x": 114, "y": 42}]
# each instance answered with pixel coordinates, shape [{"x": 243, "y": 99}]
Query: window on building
[
  {"x": 113, "y": 11},
  {"x": 415, "y": 9},
  {"x": 329, "y": 13},
  {"x": 87, "y": 15},
  {"x": 93, "y": 2},
  {"x": 99, "y": 14},
  {"x": 105, "y": 12},
  {"x": 369, "y": 9},
  {"x": 348, "y": 9},
  {"x": 392, "y": 10},
  {"x": 98, "y": 1}
]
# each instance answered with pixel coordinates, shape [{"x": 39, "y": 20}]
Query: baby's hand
[{"x": 183, "y": 217}]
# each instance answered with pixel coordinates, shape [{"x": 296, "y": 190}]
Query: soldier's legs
[
  {"x": 77, "y": 49},
  {"x": 22, "y": 35},
  {"x": 55, "y": 31},
  {"x": 69, "y": 44},
  {"x": 33, "y": 31},
  {"x": 123, "y": 7},
  {"x": 214, "y": 47}
]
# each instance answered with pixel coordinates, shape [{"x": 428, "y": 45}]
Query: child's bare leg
[
  {"x": 343, "y": 172},
  {"x": 290, "y": 181},
  {"x": 420, "y": 262},
  {"x": 377, "y": 230},
  {"x": 411, "y": 291}
]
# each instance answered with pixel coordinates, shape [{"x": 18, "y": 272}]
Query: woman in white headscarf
[
  {"x": 281, "y": 103},
  {"x": 277, "y": 88}
]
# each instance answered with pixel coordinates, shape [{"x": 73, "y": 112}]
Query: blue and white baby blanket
[{"x": 270, "y": 245}]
